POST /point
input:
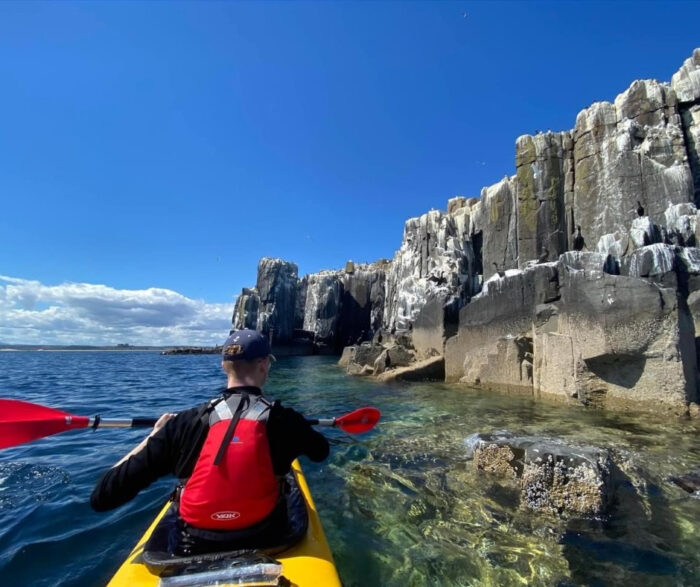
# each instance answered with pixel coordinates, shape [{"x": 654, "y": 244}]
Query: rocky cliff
[
  {"x": 332, "y": 309},
  {"x": 270, "y": 307},
  {"x": 576, "y": 277}
]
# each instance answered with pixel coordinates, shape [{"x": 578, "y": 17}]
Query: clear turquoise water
[{"x": 400, "y": 505}]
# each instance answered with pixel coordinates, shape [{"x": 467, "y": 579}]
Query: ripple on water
[{"x": 21, "y": 483}]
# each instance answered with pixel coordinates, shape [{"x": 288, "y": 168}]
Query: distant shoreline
[{"x": 46, "y": 348}]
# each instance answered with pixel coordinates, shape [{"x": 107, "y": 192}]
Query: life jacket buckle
[{"x": 176, "y": 493}]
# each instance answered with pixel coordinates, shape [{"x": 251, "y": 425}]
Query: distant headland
[
  {"x": 78, "y": 347},
  {"x": 164, "y": 350}
]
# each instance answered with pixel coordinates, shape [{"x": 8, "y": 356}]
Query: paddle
[
  {"x": 22, "y": 422},
  {"x": 356, "y": 422}
]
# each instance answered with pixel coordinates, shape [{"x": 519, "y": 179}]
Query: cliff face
[
  {"x": 435, "y": 268},
  {"x": 686, "y": 84},
  {"x": 494, "y": 284},
  {"x": 571, "y": 329},
  {"x": 331, "y": 308}
]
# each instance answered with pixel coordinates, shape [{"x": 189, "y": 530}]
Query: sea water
[{"x": 400, "y": 504}]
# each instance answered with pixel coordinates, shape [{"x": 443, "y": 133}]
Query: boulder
[
  {"x": 590, "y": 263},
  {"x": 642, "y": 232},
  {"x": 347, "y": 356},
  {"x": 400, "y": 356},
  {"x": 430, "y": 369},
  {"x": 364, "y": 355},
  {"x": 357, "y": 369},
  {"x": 681, "y": 224},
  {"x": 615, "y": 244},
  {"x": 655, "y": 263}
]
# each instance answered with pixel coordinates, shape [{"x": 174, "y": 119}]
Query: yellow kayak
[{"x": 308, "y": 562}]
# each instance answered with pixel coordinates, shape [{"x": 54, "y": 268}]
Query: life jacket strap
[{"x": 240, "y": 402}]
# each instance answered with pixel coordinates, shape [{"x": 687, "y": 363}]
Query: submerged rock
[{"x": 689, "y": 482}]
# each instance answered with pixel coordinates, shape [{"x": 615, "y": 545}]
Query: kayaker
[{"x": 234, "y": 451}]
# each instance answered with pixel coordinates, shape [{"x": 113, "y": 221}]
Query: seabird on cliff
[
  {"x": 579, "y": 243},
  {"x": 640, "y": 209},
  {"x": 438, "y": 279},
  {"x": 500, "y": 273},
  {"x": 544, "y": 256}
]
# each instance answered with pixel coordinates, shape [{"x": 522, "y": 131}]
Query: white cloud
[{"x": 84, "y": 313}]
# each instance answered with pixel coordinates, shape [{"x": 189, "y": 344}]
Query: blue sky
[{"x": 167, "y": 146}]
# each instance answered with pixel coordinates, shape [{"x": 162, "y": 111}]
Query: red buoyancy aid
[{"x": 233, "y": 484}]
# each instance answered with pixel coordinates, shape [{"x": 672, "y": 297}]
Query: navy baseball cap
[{"x": 246, "y": 345}]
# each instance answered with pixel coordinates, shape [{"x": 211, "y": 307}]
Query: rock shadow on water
[{"x": 618, "y": 548}]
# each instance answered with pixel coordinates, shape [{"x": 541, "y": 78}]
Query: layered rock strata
[{"x": 573, "y": 330}]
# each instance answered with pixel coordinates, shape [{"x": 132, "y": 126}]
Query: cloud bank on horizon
[{"x": 91, "y": 314}]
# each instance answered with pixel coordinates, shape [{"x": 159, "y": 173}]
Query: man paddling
[{"x": 234, "y": 451}]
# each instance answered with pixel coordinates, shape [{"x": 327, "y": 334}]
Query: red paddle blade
[
  {"x": 23, "y": 422},
  {"x": 361, "y": 420}
]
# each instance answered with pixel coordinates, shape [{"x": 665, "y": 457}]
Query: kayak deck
[{"x": 308, "y": 562}]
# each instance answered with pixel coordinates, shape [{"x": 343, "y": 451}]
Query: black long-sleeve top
[{"x": 174, "y": 449}]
